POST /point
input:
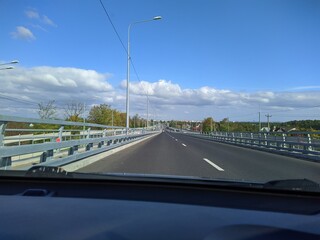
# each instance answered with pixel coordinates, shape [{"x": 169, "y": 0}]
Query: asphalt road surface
[{"x": 179, "y": 154}]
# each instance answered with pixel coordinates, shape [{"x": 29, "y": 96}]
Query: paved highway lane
[{"x": 180, "y": 154}]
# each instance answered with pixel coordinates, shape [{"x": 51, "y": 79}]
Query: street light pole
[
  {"x": 147, "y": 111},
  {"x": 128, "y": 67},
  {"x": 112, "y": 117},
  {"x": 84, "y": 119},
  {"x": 268, "y": 117}
]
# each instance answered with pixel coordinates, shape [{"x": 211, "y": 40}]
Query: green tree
[
  {"x": 137, "y": 122},
  {"x": 101, "y": 114},
  {"x": 208, "y": 124}
]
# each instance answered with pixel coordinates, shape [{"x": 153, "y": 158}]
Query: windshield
[{"x": 216, "y": 90}]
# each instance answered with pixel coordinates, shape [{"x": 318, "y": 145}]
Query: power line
[
  {"x": 114, "y": 28},
  {"x": 122, "y": 44},
  {"x": 17, "y": 99},
  {"x": 126, "y": 50}
]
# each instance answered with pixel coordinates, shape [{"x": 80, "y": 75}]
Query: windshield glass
[{"x": 216, "y": 90}]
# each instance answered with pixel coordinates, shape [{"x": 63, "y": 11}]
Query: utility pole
[
  {"x": 259, "y": 121},
  {"x": 84, "y": 118},
  {"x": 268, "y": 118},
  {"x": 112, "y": 117},
  {"x": 147, "y": 110},
  {"x": 228, "y": 124}
]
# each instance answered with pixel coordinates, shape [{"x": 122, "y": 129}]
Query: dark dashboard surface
[{"x": 112, "y": 209}]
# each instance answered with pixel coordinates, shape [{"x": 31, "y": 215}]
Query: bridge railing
[
  {"x": 305, "y": 144},
  {"x": 61, "y": 142}
]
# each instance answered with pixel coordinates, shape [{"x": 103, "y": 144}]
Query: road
[{"x": 179, "y": 154}]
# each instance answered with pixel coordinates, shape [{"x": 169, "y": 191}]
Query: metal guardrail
[
  {"x": 56, "y": 147},
  {"x": 300, "y": 144}
]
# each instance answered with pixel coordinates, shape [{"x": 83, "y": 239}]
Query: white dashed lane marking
[{"x": 214, "y": 165}]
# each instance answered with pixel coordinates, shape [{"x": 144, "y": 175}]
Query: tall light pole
[
  {"x": 259, "y": 122},
  {"x": 268, "y": 117},
  {"x": 147, "y": 111},
  {"x": 112, "y": 117},
  {"x": 128, "y": 66},
  {"x": 84, "y": 119}
]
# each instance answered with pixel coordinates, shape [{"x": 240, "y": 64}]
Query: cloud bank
[
  {"x": 62, "y": 84},
  {"x": 166, "y": 92},
  {"x": 168, "y": 100}
]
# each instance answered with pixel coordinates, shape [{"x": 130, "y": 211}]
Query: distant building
[
  {"x": 265, "y": 129},
  {"x": 278, "y": 129}
]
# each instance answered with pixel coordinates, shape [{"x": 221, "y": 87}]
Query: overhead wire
[
  {"x": 123, "y": 46},
  {"x": 19, "y": 100},
  {"x": 119, "y": 38}
]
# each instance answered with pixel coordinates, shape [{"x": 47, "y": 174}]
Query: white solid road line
[
  {"x": 184, "y": 145},
  {"x": 214, "y": 165}
]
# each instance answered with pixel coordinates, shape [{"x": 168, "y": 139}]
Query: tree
[
  {"x": 224, "y": 125},
  {"x": 101, "y": 114},
  {"x": 208, "y": 124},
  {"x": 136, "y": 121},
  {"x": 173, "y": 124},
  {"x": 73, "y": 111},
  {"x": 47, "y": 111}
]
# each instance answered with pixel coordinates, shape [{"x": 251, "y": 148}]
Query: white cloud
[
  {"x": 206, "y": 100},
  {"x": 35, "y": 16},
  {"x": 167, "y": 99},
  {"x": 48, "y": 21},
  {"x": 162, "y": 88},
  {"x": 23, "y": 33},
  {"x": 37, "y": 26},
  {"x": 61, "y": 84},
  {"x": 32, "y": 14},
  {"x": 305, "y": 88}
]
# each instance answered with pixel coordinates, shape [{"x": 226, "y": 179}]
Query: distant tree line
[
  {"x": 208, "y": 125},
  {"x": 100, "y": 114},
  {"x": 302, "y": 125},
  {"x": 105, "y": 115}
]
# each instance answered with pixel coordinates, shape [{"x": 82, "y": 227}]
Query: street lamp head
[
  {"x": 157, "y": 18},
  {"x": 7, "y": 68},
  {"x": 8, "y": 63}
]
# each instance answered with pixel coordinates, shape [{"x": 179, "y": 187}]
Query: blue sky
[{"x": 204, "y": 58}]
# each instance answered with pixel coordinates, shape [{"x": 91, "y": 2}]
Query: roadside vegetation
[{"x": 104, "y": 114}]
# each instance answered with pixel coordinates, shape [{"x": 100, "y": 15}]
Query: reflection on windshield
[{"x": 222, "y": 91}]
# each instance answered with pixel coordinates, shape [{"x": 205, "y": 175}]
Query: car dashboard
[{"x": 129, "y": 208}]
